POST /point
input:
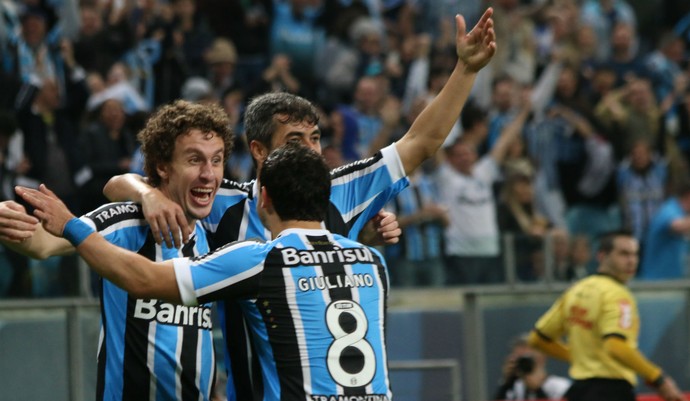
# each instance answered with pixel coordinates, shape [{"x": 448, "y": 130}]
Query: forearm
[
  {"x": 434, "y": 123},
  {"x": 126, "y": 187},
  {"x": 134, "y": 273},
  {"x": 41, "y": 245},
  {"x": 550, "y": 347},
  {"x": 632, "y": 358}
]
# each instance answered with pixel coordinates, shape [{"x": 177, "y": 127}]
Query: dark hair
[
  {"x": 259, "y": 122},
  {"x": 607, "y": 239},
  {"x": 472, "y": 114},
  {"x": 179, "y": 118},
  {"x": 298, "y": 181}
]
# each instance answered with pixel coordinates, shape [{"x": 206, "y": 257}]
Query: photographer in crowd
[{"x": 525, "y": 376}]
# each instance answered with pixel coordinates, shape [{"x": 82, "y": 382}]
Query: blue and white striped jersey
[
  {"x": 150, "y": 350},
  {"x": 358, "y": 191},
  {"x": 315, "y": 303}
]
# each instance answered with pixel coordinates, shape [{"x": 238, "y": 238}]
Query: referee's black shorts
[{"x": 600, "y": 390}]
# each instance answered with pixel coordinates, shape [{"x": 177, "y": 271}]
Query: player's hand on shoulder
[
  {"x": 382, "y": 229},
  {"x": 166, "y": 218},
  {"x": 15, "y": 224}
]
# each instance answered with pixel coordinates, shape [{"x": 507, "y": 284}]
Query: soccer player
[
  {"x": 359, "y": 190},
  {"x": 599, "y": 317},
  {"x": 151, "y": 349},
  {"x": 319, "y": 298}
]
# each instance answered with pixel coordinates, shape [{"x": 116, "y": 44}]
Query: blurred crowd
[{"x": 579, "y": 125}]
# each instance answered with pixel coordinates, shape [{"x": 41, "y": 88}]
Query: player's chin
[{"x": 199, "y": 212}]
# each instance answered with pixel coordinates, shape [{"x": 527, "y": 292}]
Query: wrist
[
  {"x": 658, "y": 382},
  {"x": 76, "y": 231}
]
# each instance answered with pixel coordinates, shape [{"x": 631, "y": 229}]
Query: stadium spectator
[
  {"x": 107, "y": 146},
  {"x": 418, "y": 257},
  {"x": 247, "y": 24},
  {"x": 602, "y": 16},
  {"x": 642, "y": 181},
  {"x": 104, "y": 37},
  {"x": 517, "y": 215},
  {"x": 666, "y": 243},
  {"x": 465, "y": 185},
  {"x": 598, "y": 315}
]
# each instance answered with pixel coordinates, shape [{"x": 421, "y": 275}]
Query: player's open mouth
[{"x": 202, "y": 194}]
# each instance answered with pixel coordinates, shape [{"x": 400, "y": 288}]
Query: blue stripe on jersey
[
  {"x": 166, "y": 338},
  {"x": 153, "y": 338}
]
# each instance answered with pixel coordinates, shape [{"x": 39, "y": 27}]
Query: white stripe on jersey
[
  {"x": 101, "y": 338},
  {"x": 252, "y": 271},
  {"x": 291, "y": 292},
  {"x": 359, "y": 209},
  {"x": 242, "y": 235},
  {"x": 197, "y": 379},
  {"x": 115, "y": 227},
  {"x": 390, "y": 157},
  {"x": 183, "y": 275},
  {"x": 223, "y": 191},
  {"x": 151, "y": 359}
]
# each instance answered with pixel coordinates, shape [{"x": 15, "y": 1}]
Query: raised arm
[
  {"x": 23, "y": 233},
  {"x": 432, "y": 126},
  {"x": 135, "y": 274},
  {"x": 166, "y": 218}
]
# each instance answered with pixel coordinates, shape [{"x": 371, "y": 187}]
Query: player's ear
[
  {"x": 265, "y": 201},
  {"x": 162, "y": 170},
  {"x": 259, "y": 151}
]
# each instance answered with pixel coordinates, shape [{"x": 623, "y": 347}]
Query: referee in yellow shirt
[{"x": 598, "y": 316}]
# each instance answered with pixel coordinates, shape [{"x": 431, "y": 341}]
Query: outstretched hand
[
  {"x": 16, "y": 224},
  {"x": 476, "y": 48},
  {"x": 52, "y": 212}
]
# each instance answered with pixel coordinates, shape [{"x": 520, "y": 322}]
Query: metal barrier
[{"x": 434, "y": 364}]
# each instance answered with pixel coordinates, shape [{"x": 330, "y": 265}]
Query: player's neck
[{"x": 279, "y": 226}]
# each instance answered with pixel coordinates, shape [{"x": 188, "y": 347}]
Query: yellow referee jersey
[{"x": 593, "y": 308}]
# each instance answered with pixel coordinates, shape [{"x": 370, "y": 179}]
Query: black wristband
[{"x": 658, "y": 382}]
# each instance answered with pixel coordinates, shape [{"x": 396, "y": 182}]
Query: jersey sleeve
[
  {"x": 619, "y": 315},
  {"x": 360, "y": 189},
  {"x": 120, "y": 223},
  {"x": 552, "y": 323},
  {"x": 231, "y": 272}
]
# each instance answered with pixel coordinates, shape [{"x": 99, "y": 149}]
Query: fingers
[
  {"x": 185, "y": 231},
  {"x": 156, "y": 224},
  {"x": 14, "y": 215},
  {"x": 461, "y": 25},
  {"x": 31, "y": 196},
  {"x": 47, "y": 191},
  {"x": 388, "y": 227}
]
